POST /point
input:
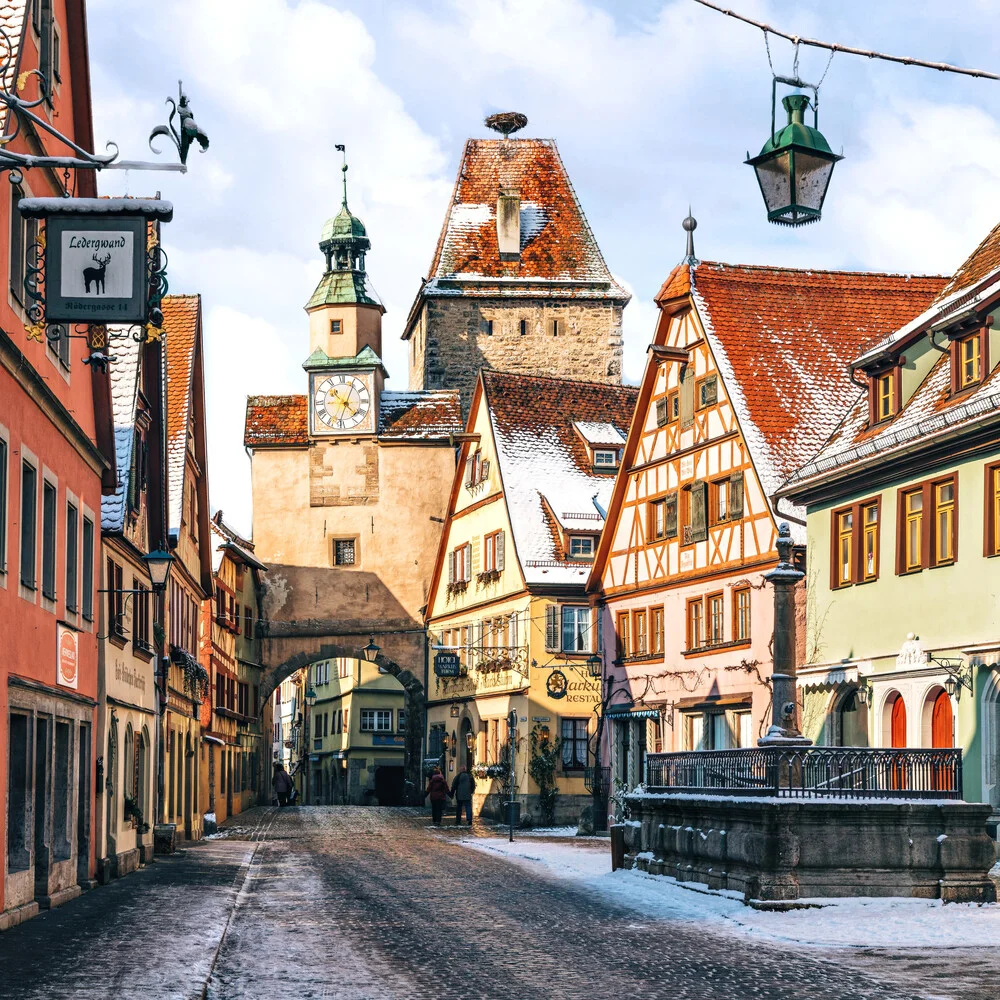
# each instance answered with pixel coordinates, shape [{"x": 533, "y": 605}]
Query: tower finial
[
  {"x": 690, "y": 224},
  {"x": 343, "y": 150}
]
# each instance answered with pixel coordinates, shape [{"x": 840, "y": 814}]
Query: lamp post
[
  {"x": 310, "y": 700},
  {"x": 595, "y": 668},
  {"x": 795, "y": 166},
  {"x": 512, "y": 736}
]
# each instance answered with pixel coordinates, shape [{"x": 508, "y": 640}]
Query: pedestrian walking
[
  {"x": 437, "y": 789},
  {"x": 462, "y": 789},
  {"x": 282, "y": 784}
]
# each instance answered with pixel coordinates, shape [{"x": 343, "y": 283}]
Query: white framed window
[
  {"x": 376, "y": 720},
  {"x": 606, "y": 458},
  {"x": 581, "y": 546},
  {"x": 575, "y": 629}
]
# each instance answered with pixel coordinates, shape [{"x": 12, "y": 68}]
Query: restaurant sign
[
  {"x": 447, "y": 665},
  {"x": 67, "y": 654}
]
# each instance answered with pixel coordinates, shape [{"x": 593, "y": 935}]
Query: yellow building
[
  {"x": 509, "y": 588},
  {"x": 356, "y": 734}
]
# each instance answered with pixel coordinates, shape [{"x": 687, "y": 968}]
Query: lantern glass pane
[
  {"x": 773, "y": 177},
  {"x": 812, "y": 176}
]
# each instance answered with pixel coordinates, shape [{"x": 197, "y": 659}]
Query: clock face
[{"x": 340, "y": 402}]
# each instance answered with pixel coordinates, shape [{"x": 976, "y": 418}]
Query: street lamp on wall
[
  {"x": 158, "y": 565},
  {"x": 594, "y": 665},
  {"x": 310, "y": 698},
  {"x": 371, "y": 650}
]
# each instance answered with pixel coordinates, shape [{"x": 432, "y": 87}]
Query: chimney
[{"x": 509, "y": 224}]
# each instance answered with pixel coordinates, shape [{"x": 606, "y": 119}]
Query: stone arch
[
  {"x": 850, "y": 723},
  {"x": 414, "y": 700},
  {"x": 893, "y": 702},
  {"x": 990, "y": 707},
  {"x": 930, "y": 701}
]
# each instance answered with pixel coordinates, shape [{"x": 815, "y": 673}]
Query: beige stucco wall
[
  {"x": 360, "y": 326},
  {"x": 449, "y": 342}
]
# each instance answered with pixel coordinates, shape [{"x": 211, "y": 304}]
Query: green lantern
[{"x": 794, "y": 167}]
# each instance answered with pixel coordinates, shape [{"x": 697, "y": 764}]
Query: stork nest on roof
[{"x": 506, "y": 122}]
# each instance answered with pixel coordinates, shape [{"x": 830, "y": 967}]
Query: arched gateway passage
[{"x": 414, "y": 699}]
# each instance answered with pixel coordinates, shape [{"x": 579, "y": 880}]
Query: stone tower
[{"x": 518, "y": 282}]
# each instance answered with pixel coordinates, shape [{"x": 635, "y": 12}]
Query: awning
[
  {"x": 632, "y": 713},
  {"x": 707, "y": 704},
  {"x": 843, "y": 674},
  {"x": 213, "y": 739}
]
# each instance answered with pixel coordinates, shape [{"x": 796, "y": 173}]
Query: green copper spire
[{"x": 344, "y": 242}]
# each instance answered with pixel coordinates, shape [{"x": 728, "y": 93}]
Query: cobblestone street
[{"x": 368, "y": 903}]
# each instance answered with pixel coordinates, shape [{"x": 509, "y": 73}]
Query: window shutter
[
  {"x": 670, "y": 515},
  {"x": 699, "y": 511},
  {"x": 467, "y": 563},
  {"x": 484, "y": 470},
  {"x": 661, "y": 412},
  {"x": 451, "y": 566},
  {"x": 687, "y": 397},
  {"x": 470, "y": 468},
  {"x": 710, "y": 391},
  {"x": 736, "y": 495},
  {"x": 552, "y": 627},
  {"x": 476, "y": 559},
  {"x": 499, "y": 543}
]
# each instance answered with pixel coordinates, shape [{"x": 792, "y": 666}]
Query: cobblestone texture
[{"x": 368, "y": 904}]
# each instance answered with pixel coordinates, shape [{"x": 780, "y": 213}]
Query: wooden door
[
  {"x": 898, "y": 727},
  {"x": 942, "y": 722}
]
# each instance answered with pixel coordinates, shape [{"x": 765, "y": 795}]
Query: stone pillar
[{"x": 784, "y": 729}]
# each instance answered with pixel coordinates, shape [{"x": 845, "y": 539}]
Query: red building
[{"x": 56, "y": 457}]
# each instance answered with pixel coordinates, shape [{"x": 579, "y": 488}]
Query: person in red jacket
[{"x": 437, "y": 789}]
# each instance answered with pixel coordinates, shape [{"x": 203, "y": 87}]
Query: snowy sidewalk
[{"x": 842, "y": 923}]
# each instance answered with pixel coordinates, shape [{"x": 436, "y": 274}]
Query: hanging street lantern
[
  {"x": 371, "y": 649},
  {"x": 795, "y": 166}
]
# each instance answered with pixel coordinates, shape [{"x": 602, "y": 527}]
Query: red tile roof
[
  {"x": 783, "y": 340},
  {"x": 557, "y": 243},
  {"x": 284, "y": 420},
  {"x": 981, "y": 263}
]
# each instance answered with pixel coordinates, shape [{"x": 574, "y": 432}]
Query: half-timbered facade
[
  {"x": 747, "y": 371},
  {"x": 509, "y": 588}
]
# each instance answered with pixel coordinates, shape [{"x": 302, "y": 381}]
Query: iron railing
[{"x": 811, "y": 772}]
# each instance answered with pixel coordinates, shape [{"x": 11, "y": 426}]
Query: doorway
[
  {"x": 188, "y": 785},
  {"x": 468, "y": 744},
  {"x": 897, "y": 723},
  {"x": 389, "y": 785},
  {"x": 82, "y": 845},
  {"x": 942, "y": 722},
  {"x": 43, "y": 805}
]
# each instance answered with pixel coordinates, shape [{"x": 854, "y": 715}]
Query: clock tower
[{"x": 346, "y": 375}]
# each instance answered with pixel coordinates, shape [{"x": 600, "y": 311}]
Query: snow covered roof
[
  {"x": 597, "y": 434},
  {"x": 233, "y": 542},
  {"x": 124, "y": 375},
  {"x": 181, "y": 321},
  {"x": 546, "y": 467},
  {"x": 783, "y": 340},
  {"x": 284, "y": 420},
  {"x": 559, "y": 255}
]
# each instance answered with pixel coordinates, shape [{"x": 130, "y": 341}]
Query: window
[
  {"x": 624, "y": 634},
  {"x": 967, "y": 361},
  {"x": 555, "y": 328},
  {"x": 344, "y": 551},
  {"x": 376, "y": 720},
  {"x": 29, "y": 528},
  {"x": 23, "y": 233},
  {"x": 335, "y": 326},
  {"x": 3, "y": 506},
  {"x": 460, "y": 564},
  {"x": 855, "y": 557},
  {"x": 575, "y": 629},
  {"x": 72, "y": 520},
  {"x": 640, "y": 632},
  {"x": 605, "y": 458},
  {"x": 695, "y": 624},
  {"x": 695, "y": 512},
  {"x": 56, "y": 55},
  {"x": 845, "y": 547},
  {"x": 716, "y": 619},
  {"x": 944, "y": 522},
  {"x": 708, "y": 391},
  {"x": 581, "y": 546},
  {"x": 524, "y": 327},
  {"x": 489, "y": 328},
  {"x": 694, "y": 732},
  {"x": 656, "y": 631},
  {"x": 87, "y": 603},
  {"x": 140, "y": 617},
  {"x": 574, "y": 744},
  {"x": 493, "y": 548},
  {"x": 658, "y": 519},
  {"x": 885, "y": 395},
  {"x": 477, "y": 469},
  {"x": 116, "y": 601},
  {"x": 720, "y": 501},
  {"x": 667, "y": 408},
  {"x": 741, "y": 614},
  {"x": 928, "y": 525},
  {"x": 401, "y": 720},
  {"x": 992, "y": 533},
  {"x": 721, "y": 733}
]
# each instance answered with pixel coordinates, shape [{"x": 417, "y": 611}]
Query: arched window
[{"x": 142, "y": 774}]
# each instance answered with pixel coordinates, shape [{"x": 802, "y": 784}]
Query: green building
[
  {"x": 903, "y": 524},
  {"x": 356, "y": 734}
]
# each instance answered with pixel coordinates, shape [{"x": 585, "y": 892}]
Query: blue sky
[{"x": 653, "y": 104}]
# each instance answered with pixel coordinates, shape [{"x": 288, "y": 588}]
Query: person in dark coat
[
  {"x": 462, "y": 789},
  {"x": 437, "y": 789},
  {"x": 282, "y": 784}
]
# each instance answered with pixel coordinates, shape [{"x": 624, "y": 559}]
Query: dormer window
[
  {"x": 967, "y": 361},
  {"x": 884, "y": 395},
  {"x": 581, "y": 546},
  {"x": 605, "y": 459}
]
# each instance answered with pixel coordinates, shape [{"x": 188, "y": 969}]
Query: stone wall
[
  {"x": 451, "y": 341},
  {"x": 776, "y": 849}
]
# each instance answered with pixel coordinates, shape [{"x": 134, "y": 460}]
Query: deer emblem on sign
[{"x": 95, "y": 275}]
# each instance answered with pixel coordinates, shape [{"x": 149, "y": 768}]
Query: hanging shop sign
[
  {"x": 67, "y": 657},
  {"x": 93, "y": 266},
  {"x": 447, "y": 665},
  {"x": 556, "y": 685}
]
